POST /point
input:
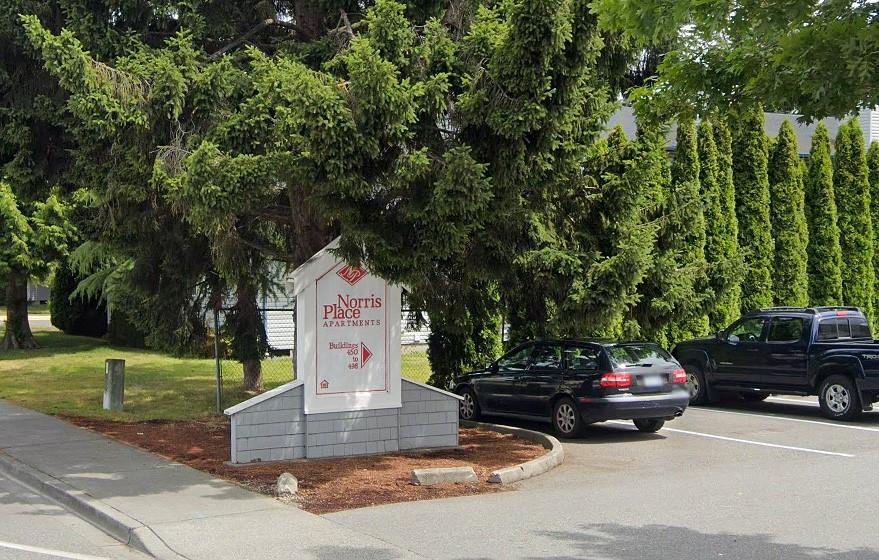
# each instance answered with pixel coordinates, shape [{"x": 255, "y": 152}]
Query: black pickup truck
[{"x": 824, "y": 351}]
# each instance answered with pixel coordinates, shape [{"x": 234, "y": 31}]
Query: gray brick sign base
[{"x": 274, "y": 427}]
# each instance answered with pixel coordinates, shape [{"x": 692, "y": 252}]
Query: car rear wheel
[
  {"x": 839, "y": 398},
  {"x": 566, "y": 418},
  {"x": 696, "y": 384},
  {"x": 468, "y": 408},
  {"x": 649, "y": 425}
]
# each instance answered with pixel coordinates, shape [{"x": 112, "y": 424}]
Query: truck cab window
[
  {"x": 749, "y": 330},
  {"x": 827, "y": 330},
  {"x": 843, "y": 328},
  {"x": 785, "y": 329},
  {"x": 860, "y": 328}
]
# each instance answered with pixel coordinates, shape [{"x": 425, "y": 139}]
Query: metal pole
[{"x": 217, "y": 361}]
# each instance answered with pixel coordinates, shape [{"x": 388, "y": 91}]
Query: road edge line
[
  {"x": 529, "y": 469},
  {"x": 118, "y": 525}
]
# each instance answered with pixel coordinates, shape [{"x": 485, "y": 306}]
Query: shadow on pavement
[
  {"x": 610, "y": 541},
  {"x": 600, "y": 433},
  {"x": 805, "y": 411}
]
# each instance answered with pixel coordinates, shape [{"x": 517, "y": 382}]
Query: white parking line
[
  {"x": 748, "y": 441},
  {"x": 785, "y": 418},
  {"x": 760, "y": 443},
  {"x": 47, "y": 552}
]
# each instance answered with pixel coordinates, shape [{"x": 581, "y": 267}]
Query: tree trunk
[
  {"x": 18, "y": 330},
  {"x": 252, "y": 375},
  {"x": 310, "y": 18},
  {"x": 250, "y": 336},
  {"x": 311, "y": 231}
]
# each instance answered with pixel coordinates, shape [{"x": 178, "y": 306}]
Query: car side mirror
[{"x": 732, "y": 339}]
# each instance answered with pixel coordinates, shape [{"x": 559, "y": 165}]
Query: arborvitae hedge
[
  {"x": 685, "y": 237},
  {"x": 790, "y": 281},
  {"x": 622, "y": 227},
  {"x": 752, "y": 208},
  {"x": 721, "y": 227},
  {"x": 873, "y": 169},
  {"x": 824, "y": 254},
  {"x": 850, "y": 179},
  {"x": 725, "y": 269}
]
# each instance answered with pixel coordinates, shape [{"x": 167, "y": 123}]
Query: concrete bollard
[{"x": 114, "y": 384}]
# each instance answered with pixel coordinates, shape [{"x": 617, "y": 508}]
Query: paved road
[
  {"x": 34, "y": 320},
  {"x": 33, "y": 528},
  {"x": 770, "y": 480}
]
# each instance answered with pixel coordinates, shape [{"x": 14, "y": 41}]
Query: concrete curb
[
  {"x": 534, "y": 467},
  {"x": 443, "y": 475},
  {"x": 121, "y": 527}
]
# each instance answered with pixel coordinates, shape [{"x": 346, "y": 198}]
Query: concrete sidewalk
[{"x": 164, "y": 508}]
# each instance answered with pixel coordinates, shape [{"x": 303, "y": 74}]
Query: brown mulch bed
[{"x": 326, "y": 485}]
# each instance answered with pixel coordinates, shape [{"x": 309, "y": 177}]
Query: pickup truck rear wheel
[
  {"x": 696, "y": 384},
  {"x": 839, "y": 398}
]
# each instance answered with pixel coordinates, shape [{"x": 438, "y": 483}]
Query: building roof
[{"x": 869, "y": 121}]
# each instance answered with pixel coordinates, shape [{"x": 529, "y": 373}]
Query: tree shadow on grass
[{"x": 611, "y": 541}]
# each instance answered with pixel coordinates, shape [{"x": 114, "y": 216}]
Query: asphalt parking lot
[{"x": 767, "y": 480}]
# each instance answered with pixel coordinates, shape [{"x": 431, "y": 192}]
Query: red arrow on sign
[{"x": 365, "y": 354}]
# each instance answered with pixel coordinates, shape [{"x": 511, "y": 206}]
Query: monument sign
[
  {"x": 347, "y": 398},
  {"x": 348, "y": 336}
]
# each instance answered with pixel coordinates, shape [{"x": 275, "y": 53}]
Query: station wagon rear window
[
  {"x": 636, "y": 354},
  {"x": 839, "y": 328}
]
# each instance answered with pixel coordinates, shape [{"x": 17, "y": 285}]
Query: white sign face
[
  {"x": 352, "y": 342},
  {"x": 348, "y": 353}
]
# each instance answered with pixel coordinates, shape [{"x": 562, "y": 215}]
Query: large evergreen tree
[
  {"x": 453, "y": 149},
  {"x": 873, "y": 168},
  {"x": 721, "y": 226},
  {"x": 824, "y": 254},
  {"x": 750, "y": 175},
  {"x": 852, "y": 186},
  {"x": 455, "y": 349},
  {"x": 789, "y": 280}
]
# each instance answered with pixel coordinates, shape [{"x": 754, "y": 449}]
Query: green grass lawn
[{"x": 66, "y": 376}]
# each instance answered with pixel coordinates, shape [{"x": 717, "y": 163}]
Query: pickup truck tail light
[
  {"x": 679, "y": 376},
  {"x": 616, "y": 380}
]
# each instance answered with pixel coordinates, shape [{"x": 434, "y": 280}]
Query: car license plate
[{"x": 653, "y": 381}]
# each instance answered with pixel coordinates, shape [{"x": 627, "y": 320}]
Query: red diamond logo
[
  {"x": 351, "y": 274},
  {"x": 365, "y": 354}
]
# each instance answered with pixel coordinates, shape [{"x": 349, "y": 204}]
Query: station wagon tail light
[
  {"x": 616, "y": 380},
  {"x": 679, "y": 376}
]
